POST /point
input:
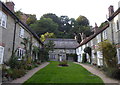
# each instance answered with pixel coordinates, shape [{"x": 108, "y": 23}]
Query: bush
[
  {"x": 17, "y": 73},
  {"x": 109, "y": 53},
  {"x": 112, "y": 72},
  {"x": 63, "y": 63},
  {"x": 84, "y": 58}
]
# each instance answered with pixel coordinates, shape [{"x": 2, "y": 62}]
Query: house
[
  {"x": 110, "y": 31},
  {"x": 62, "y": 48},
  {"x": 12, "y": 33}
]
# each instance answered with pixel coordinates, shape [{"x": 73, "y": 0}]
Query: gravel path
[
  {"x": 100, "y": 74},
  {"x": 29, "y": 74}
]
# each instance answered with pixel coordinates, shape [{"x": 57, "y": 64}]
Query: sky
[{"x": 94, "y": 10}]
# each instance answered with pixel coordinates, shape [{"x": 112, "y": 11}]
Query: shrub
[
  {"x": 63, "y": 63},
  {"x": 112, "y": 72},
  {"x": 109, "y": 53},
  {"x": 13, "y": 62},
  {"x": 84, "y": 58},
  {"x": 17, "y": 73}
]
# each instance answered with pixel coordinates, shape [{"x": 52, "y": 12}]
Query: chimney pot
[{"x": 10, "y": 5}]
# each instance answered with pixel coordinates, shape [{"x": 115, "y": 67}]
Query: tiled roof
[
  {"x": 64, "y": 43},
  {"x": 86, "y": 40}
]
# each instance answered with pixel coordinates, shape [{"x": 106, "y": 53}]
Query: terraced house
[
  {"x": 12, "y": 33},
  {"x": 110, "y": 31}
]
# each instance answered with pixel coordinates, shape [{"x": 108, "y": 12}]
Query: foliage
[
  {"x": 18, "y": 14},
  {"x": 112, "y": 72},
  {"x": 47, "y": 35},
  {"x": 17, "y": 73},
  {"x": 13, "y": 62},
  {"x": 72, "y": 55},
  {"x": 49, "y": 46},
  {"x": 103, "y": 24},
  {"x": 82, "y": 21},
  {"x": 84, "y": 58},
  {"x": 109, "y": 53},
  {"x": 44, "y": 25},
  {"x": 31, "y": 19},
  {"x": 27, "y": 46},
  {"x": 72, "y": 74},
  {"x": 63, "y": 63},
  {"x": 89, "y": 51}
]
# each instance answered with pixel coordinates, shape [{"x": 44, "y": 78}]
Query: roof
[
  {"x": 18, "y": 20},
  {"x": 86, "y": 40},
  {"x": 63, "y": 43}
]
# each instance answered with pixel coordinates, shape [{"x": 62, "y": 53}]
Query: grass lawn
[{"x": 74, "y": 73}]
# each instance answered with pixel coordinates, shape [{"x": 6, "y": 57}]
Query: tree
[
  {"x": 47, "y": 35},
  {"x": 31, "y": 19},
  {"x": 44, "y": 25},
  {"x": 18, "y": 14},
  {"x": 82, "y": 21}
]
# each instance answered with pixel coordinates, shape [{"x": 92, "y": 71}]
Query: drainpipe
[{"x": 14, "y": 37}]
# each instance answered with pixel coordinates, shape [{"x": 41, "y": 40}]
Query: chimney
[
  {"x": 95, "y": 28},
  {"x": 10, "y": 5},
  {"x": 111, "y": 10}
]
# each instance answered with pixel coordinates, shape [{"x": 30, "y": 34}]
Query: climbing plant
[{"x": 109, "y": 53}]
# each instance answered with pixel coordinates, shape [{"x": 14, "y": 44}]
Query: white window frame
[
  {"x": 21, "y": 32},
  {"x": 3, "y": 19},
  {"x": 98, "y": 38},
  {"x": 116, "y": 24},
  {"x": 20, "y": 53},
  {"x": 105, "y": 34},
  {"x": 118, "y": 55},
  {"x": 1, "y": 54}
]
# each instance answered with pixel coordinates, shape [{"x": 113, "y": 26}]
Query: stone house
[
  {"x": 110, "y": 32},
  {"x": 62, "y": 48},
  {"x": 12, "y": 32}
]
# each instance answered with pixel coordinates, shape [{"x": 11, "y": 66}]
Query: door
[{"x": 1, "y": 54}]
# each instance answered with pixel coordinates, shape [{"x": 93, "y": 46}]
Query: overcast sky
[{"x": 94, "y": 10}]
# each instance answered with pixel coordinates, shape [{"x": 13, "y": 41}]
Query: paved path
[
  {"x": 29, "y": 74},
  {"x": 99, "y": 73}
]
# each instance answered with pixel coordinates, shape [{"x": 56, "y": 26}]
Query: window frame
[
  {"x": 118, "y": 55},
  {"x": 20, "y": 53},
  {"x": 21, "y": 32},
  {"x": 1, "y": 57},
  {"x": 3, "y": 18}
]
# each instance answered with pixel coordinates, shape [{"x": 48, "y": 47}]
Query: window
[
  {"x": 1, "y": 54},
  {"x": 118, "y": 54},
  {"x": 104, "y": 35},
  {"x": 99, "y": 38},
  {"x": 20, "y": 53},
  {"x": 3, "y": 19},
  {"x": 21, "y": 34}
]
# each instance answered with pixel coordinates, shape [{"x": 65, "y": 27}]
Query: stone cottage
[
  {"x": 62, "y": 48},
  {"x": 12, "y": 32},
  {"x": 110, "y": 31}
]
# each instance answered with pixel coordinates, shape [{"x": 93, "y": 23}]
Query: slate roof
[{"x": 63, "y": 43}]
